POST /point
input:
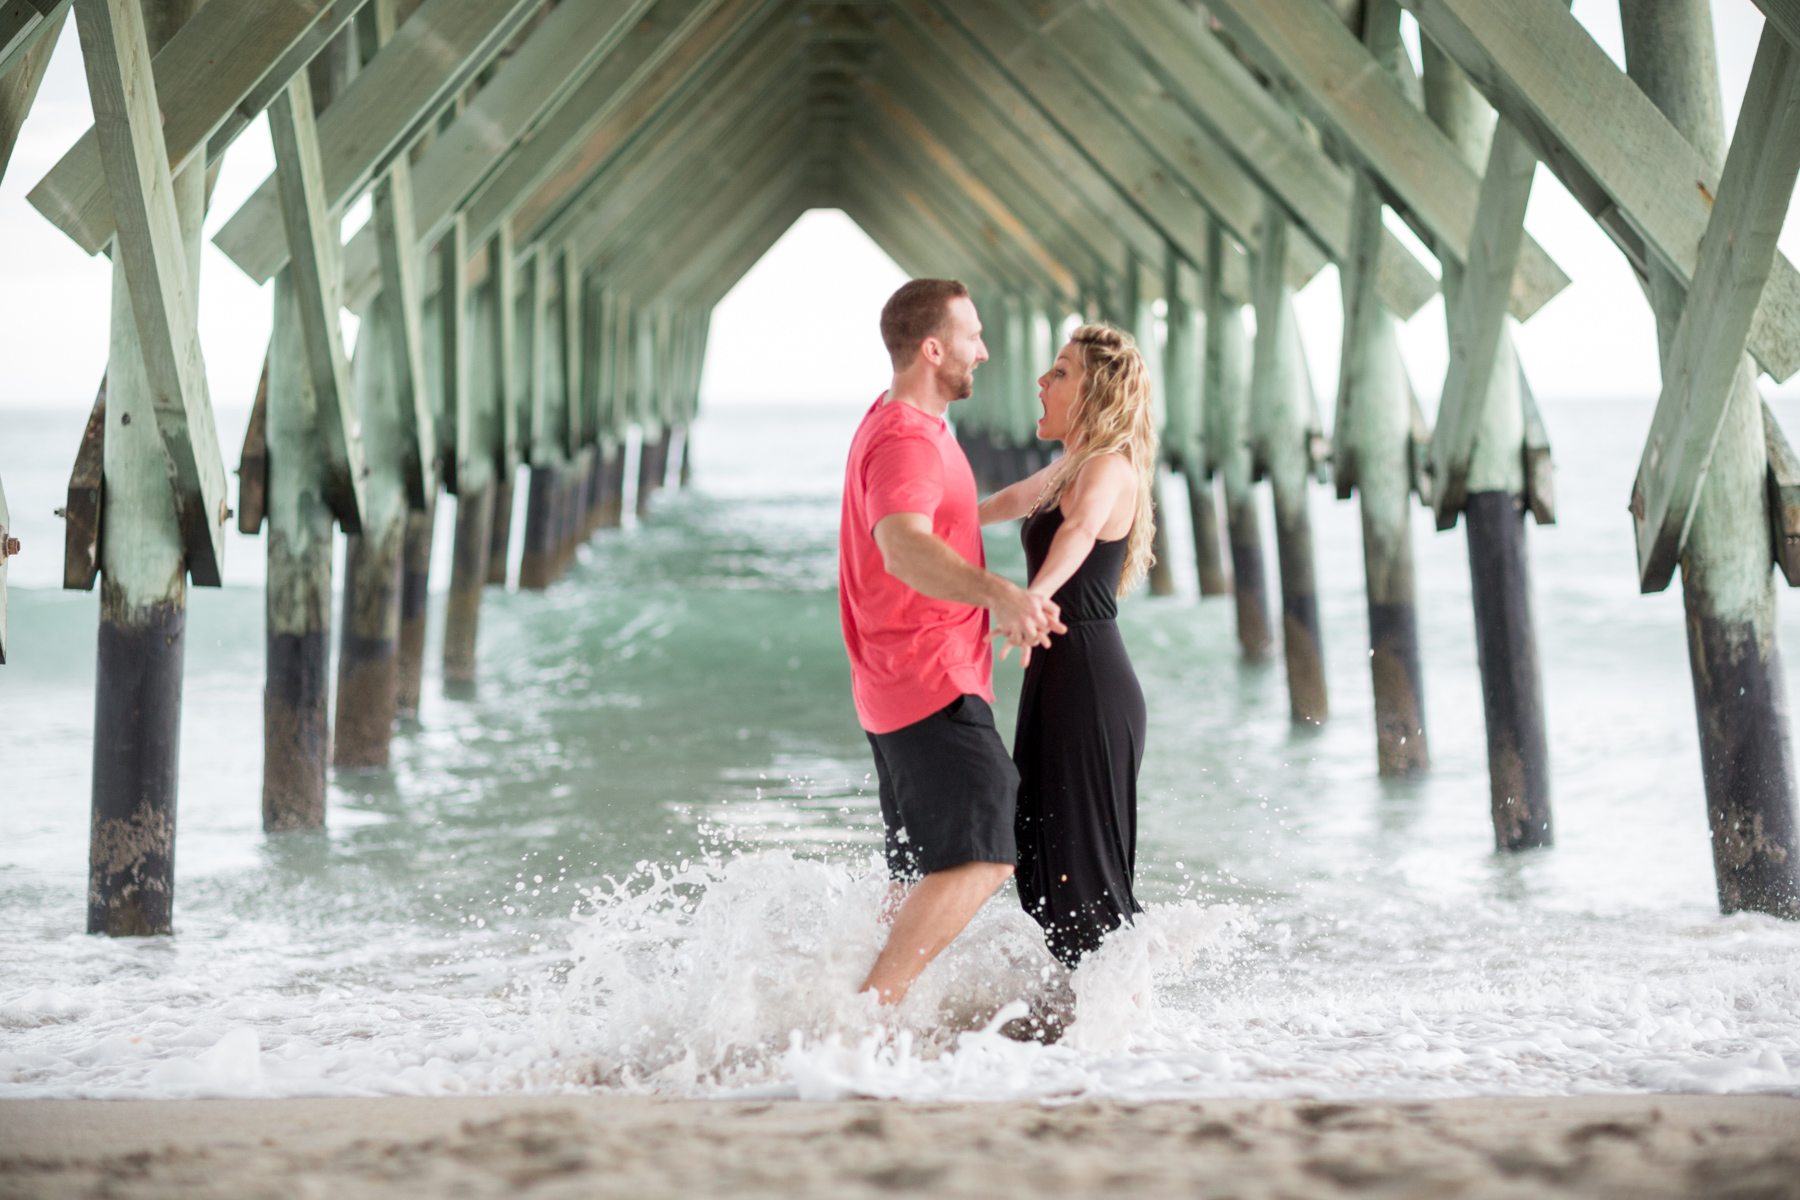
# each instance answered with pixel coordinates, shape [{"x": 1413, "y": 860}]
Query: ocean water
[{"x": 642, "y": 857}]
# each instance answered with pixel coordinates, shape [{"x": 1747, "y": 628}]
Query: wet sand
[{"x": 553, "y": 1147}]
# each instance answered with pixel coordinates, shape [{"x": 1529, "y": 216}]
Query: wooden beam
[
  {"x": 660, "y": 56},
  {"x": 1318, "y": 61},
  {"x": 922, "y": 178},
  {"x": 1477, "y": 316},
  {"x": 1139, "y": 150},
  {"x": 969, "y": 84},
  {"x": 86, "y": 503},
  {"x": 973, "y": 189},
  {"x": 1107, "y": 56},
  {"x": 503, "y": 276},
  {"x": 1704, "y": 369},
  {"x": 454, "y": 402},
  {"x": 1784, "y": 15},
  {"x": 19, "y": 83},
  {"x": 541, "y": 74},
  {"x": 1219, "y": 91},
  {"x": 397, "y": 246},
  {"x": 571, "y": 349},
  {"x": 23, "y": 23},
  {"x": 312, "y": 234},
  {"x": 432, "y": 55},
  {"x": 1608, "y": 143},
  {"x": 663, "y": 154},
  {"x": 1089, "y": 243},
  {"x": 545, "y": 450},
  {"x": 205, "y": 73},
  {"x": 154, "y": 260}
]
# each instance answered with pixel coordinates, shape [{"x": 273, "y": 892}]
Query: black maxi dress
[{"x": 1078, "y": 746}]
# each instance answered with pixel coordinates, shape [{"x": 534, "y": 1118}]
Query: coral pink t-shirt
[{"x": 910, "y": 655}]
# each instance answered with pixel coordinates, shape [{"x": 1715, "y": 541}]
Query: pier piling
[
  {"x": 1283, "y": 426},
  {"x": 1727, "y": 575}
]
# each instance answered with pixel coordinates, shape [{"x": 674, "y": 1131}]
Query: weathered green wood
[
  {"x": 1539, "y": 470},
  {"x": 1171, "y": 187},
  {"x": 430, "y": 58},
  {"x": 952, "y": 72},
  {"x": 1192, "y": 149},
  {"x": 1268, "y": 144},
  {"x": 546, "y": 449},
  {"x": 729, "y": 226},
  {"x": 504, "y": 275},
  {"x": 962, "y": 243},
  {"x": 688, "y": 210},
  {"x": 1736, "y": 255},
  {"x": 1607, "y": 142},
  {"x": 1087, "y": 240},
  {"x": 925, "y": 183},
  {"x": 157, "y": 273},
  {"x": 622, "y": 187},
  {"x": 1784, "y": 498},
  {"x": 661, "y": 55},
  {"x": 210, "y": 68},
  {"x": 23, "y": 24},
  {"x": 86, "y": 502},
  {"x": 1478, "y": 317},
  {"x": 454, "y": 405},
  {"x": 577, "y": 434},
  {"x": 397, "y": 247},
  {"x": 974, "y": 190},
  {"x": 19, "y": 80},
  {"x": 312, "y": 235},
  {"x": 1323, "y": 66}
]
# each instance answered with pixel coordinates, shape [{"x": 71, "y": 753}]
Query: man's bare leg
[{"x": 938, "y": 909}]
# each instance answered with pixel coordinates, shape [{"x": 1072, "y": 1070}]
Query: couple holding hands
[{"x": 919, "y": 608}]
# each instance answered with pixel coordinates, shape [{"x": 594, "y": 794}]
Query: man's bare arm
[{"x": 928, "y": 564}]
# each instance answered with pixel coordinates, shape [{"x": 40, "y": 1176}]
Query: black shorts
[{"x": 948, "y": 791}]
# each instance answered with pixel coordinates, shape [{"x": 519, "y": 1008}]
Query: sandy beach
[{"x": 1625, "y": 1146}]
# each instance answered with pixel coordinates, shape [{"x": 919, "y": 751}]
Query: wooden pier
[{"x": 560, "y": 192}]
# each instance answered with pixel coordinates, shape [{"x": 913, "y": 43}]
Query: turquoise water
[{"x": 642, "y": 855}]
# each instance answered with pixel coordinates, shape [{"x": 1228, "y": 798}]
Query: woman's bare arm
[
  {"x": 1094, "y": 497},
  {"x": 1011, "y": 503}
]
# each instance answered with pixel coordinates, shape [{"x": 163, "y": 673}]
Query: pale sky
[{"x": 802, "y": 324}]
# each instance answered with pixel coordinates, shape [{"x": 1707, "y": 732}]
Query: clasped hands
[{"x": 1025, "y": 619}]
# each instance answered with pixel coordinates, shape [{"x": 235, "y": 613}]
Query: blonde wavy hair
[{"x": 1113, "y": 414}]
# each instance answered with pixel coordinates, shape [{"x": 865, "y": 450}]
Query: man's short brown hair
[{"x": 915, "y": 312}]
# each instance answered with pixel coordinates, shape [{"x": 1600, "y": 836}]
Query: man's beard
[{"x": 958, "y": 379}]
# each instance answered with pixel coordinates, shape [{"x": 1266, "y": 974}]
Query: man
[{"x": 915, "y": 599}]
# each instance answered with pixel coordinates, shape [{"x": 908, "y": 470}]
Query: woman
[{"x": 1080, "y": 737}]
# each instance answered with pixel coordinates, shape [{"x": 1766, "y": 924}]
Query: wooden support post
[
  {"x": 296, "y": 716},
  {"x": 468, "y": 575},
  {"x": 537, "y": 560},
  {"x": 1746, "y": 752},
  {"x": 415, "y": 600},
  {"x": 1373, "y": 455},
  {"x": 612, "y": 508},
  {"x": 1184, "y": 443},
  {"x": 9, "y": 546},
  {"x": 163, "y": 477},
  {"x": 504, "y": 417},
  {"x": 501, "y": 546},
  {"x": 368, "y": 678},
  {"x": 1227, "y": 387},
  {"x": 1281, "y": 424},
  {"x": 1477, "y": 458},
  {"x": 312, "y": 233},
  {"x": 653, "y": 465}
]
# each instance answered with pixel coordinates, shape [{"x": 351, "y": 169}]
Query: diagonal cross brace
[
  {"x": 313, "y": 239},
  {"x": 1478, "y": 316},
  {"x": 154, "y": 260},
  {"x": 1706, "y": 356}
]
